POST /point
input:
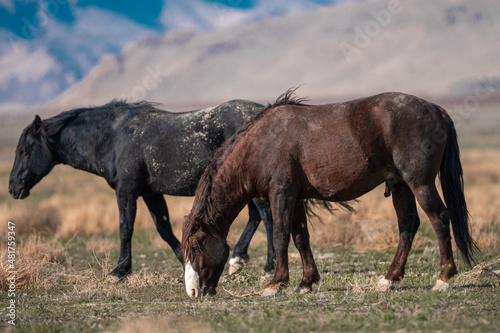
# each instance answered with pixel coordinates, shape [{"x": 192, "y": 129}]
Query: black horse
[{"x": 140, "y": 151}]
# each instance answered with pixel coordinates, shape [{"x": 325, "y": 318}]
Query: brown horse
[{"x": 335, "y": 152}]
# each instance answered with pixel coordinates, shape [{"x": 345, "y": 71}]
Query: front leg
[
  {"x": 267, "y": 218},
  {"x": 257, "y": 211},
  {"x": 127, "y": 206},
  {"x": 240, "y": 252},
  {"x": 282, "y": 205},
  {"x": 159, "y": 211}
]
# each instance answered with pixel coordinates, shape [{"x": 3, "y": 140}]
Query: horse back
[
  {"x": 340, "y": 151},
  {"x": 169, "y": 151}
]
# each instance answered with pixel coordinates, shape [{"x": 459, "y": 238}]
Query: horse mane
[
  {"x": 203, "y": 208},
  {"x": 288, "y": 98},
  {"x": 53, "y": 126}
]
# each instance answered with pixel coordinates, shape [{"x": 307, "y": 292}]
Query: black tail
[
  {"x": 452, "y": 183},
  {"x": 311, "y": 204}
]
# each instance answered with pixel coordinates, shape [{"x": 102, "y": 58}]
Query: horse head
[
  {"x": 205, "y": 256},
  {"x": 32, "y": 162}
]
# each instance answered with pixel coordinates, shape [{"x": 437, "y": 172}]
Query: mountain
[{"x": 428, "y": 48}]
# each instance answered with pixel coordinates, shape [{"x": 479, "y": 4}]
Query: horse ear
[{"x": 37, "y": 124}]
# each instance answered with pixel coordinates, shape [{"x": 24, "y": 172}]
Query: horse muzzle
[
  {"x": 192, "y": 279},
  {"x": 18, "y": 192}
]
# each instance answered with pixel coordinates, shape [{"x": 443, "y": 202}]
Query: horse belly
[
  {"x": 177, "y": 180},
  {"x": 340, "y": 173}
]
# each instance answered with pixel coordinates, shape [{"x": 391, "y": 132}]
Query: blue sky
[
  {"x": 48, "y": 45},
  {"x": 146, "y": 13}
]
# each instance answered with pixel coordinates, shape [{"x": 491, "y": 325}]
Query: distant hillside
[
  {"x": 445, "y": 51},
  {"x": 428, "y": 48}
]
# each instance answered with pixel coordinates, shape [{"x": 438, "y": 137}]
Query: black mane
[
  {"x": 52, "y": 126},
  {"x": 288, "y": 98}
]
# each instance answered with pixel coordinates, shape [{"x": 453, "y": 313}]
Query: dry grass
[
  {"x": 36, "y": 263},
  {"x": 32, "y": 218},
  {"x": 147, "y": 278},
  {"x": 101, "y": 245},
  {"x": 487, "y": 270},
  {"x": 163, "y": 324}
]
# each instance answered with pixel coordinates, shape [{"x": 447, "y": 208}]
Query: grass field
[
  {"x": 69, "y": 294},
  {"x": 67, "y": 241}
]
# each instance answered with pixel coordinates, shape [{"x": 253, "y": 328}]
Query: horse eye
[{"x": 26, "y": 149}]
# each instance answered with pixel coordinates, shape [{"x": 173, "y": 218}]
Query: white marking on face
[{"x": 192, "y": 281}]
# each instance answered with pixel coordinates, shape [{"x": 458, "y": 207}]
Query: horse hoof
[
  {"x": 270, "y": 291},
  {"x": 384, "y": 284},
  {"x": 113, "y": 279},
  {"x": 236, "y": 265},
  {"x": 303, "y": 290},
  {"x": 442, "y": 286}
]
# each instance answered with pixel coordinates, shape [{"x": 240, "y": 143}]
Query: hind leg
[
  {"x": 408, "y": 223},
  {"x": 159, "y": 212},
  {"x": 430, "y": 201},
  {"x": 300, "y": 235}
]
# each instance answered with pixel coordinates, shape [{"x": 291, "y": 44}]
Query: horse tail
[
  {"x": 452, "y": 183},
  {"x": 312, "y": 204}
]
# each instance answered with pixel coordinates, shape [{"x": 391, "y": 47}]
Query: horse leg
[
  {"x": 159, "y": 211},
  {"x": 267, "y": 218},
  {"x": 282, "y": 206},
  {"x": 240, "y": 252},
  {"x": 300, "y": 235},
  {"x": 408, "y": 223},
  {"x": 430, "y": 201},
  {"x": 127, "y": 206}
]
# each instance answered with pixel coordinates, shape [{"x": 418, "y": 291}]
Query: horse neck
[
  {"x": 77, "y": 146},
  {"x": 227, "y": 202}
]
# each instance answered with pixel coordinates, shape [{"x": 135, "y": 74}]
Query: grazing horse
[
  {"x": 291, "y": 152},
  {"x": 140, "y": 151}
]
